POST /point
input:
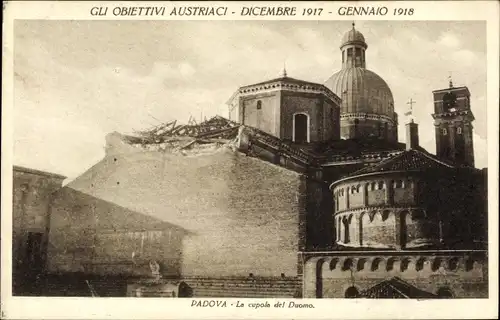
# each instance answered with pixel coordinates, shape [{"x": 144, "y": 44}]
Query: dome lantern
[{"x": 353, "y": 49}]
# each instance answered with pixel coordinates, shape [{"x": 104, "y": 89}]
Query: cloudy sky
[{"x": 76, "y": 81}]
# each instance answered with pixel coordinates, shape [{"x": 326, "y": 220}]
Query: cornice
[
  {"x": 369, "y": 116},
  {"x": 283, "y": 85}
]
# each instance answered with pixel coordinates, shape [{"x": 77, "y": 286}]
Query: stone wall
[
  {"x": 238, "y": 215},
  {"x": 94, "y": 236},
  {"x": 372, "y": 212},
  {"x": 262, "y": 111},
  {"x": 32, "y": 199},
  {"x": 323, "y": 115},
  {"x": 412, "y": 209},
  {"x": 464, "y": 273}
]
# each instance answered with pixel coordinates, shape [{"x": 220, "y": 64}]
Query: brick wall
[
  {"x": 356, "y": 200},
  {"x": 32, "y": 199},
  {"x": 239, "y": 215},
  {"x": 376, "y": 197},
  {"x": 380, "y": 231},
  {"x": 267, "y": 117},
  {"x": 332, "y": 121},
  {"x": 311, "y": 104},
  {"x": 329, "y": 277}
]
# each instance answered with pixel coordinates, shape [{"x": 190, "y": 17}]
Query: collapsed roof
[{"x": 215, "y": 128}]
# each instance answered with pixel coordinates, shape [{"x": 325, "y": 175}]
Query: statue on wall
[{"x": 155, "y": 269}]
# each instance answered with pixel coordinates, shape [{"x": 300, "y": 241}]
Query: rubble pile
[{"x": 216, "y": 128}]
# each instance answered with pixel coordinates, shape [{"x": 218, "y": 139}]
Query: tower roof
[
  {"x": 285, "y": 83},
  {"x": 409, "y": 160},
  {"x": 396, "y": 288},
  {"x": 353, "y": 36}
]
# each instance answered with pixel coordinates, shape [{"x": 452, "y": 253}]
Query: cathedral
[{"x": 303, "y": 191}]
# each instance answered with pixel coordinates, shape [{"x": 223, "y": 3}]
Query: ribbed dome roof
[
  {"x": 362, "y": 90},
  {"x": 353, "y": 36}
]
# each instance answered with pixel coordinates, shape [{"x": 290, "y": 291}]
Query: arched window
[
  {"x": 339, "y": 226},
  {"x": 453, "y": 264},
  {"x": 399, "y": 184},
  {"x": 444, "y": 131},
  {"x": 352, "y": 292},
  {"x": 444, "y": 293},
  {"x": 358, "y": 52},
  {"x": 469, "y": 264},
  {"x": 358, "y": 57},
  {"x": 259, "y": 114},
  {"x": 300, "y": 128},
  {"x": 459, "y": 130},
  {"x": 375, "y": 264},
  {"x": 345, "y": 223},
  {"x": 348, "y": 264},
  {"x": 349, "y": 52}
]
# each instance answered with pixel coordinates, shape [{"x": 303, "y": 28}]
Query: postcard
[{"x": 250, "y": 160}]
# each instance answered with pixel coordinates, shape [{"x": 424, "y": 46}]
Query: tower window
[
  {"x": 380, "y": 185},
  {"x": 349, "y": 52},
  {"x": 358, "y": 52},
  {"x": 343, "y": 56},
  {"x": 445, "y": 131},
  {"x": 259, "y": 105},
  {"x": 459, "y": 130}
]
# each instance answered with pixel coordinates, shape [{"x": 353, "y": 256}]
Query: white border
[{"x": 129, "y": 308}]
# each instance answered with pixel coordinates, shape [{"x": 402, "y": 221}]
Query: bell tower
[{"x": 453, "y": 124}]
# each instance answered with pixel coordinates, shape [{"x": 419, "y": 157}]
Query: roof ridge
[
  {"x": 379, "y": 164},
  {"x": 429, "y": 156},
  {"x": 397, "y": 157},
  {"x": 283, "y": 79},
  {"x": 399, "y": 291}
]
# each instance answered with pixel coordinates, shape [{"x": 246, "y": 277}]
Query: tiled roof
[
  {"x": 353, "y": 147},
  {"x": 395, "y": 288},
  {"x": 408, "y": 160},
  {"x": 38, "y": 172}
]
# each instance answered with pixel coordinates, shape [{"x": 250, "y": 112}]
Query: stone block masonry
[{"x": 234, "y": 215}]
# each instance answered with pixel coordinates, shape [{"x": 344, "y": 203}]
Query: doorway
[{"x": 34, "y": 257}]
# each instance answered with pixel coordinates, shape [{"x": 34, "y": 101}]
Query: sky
[{"x": 76, "y": 81}]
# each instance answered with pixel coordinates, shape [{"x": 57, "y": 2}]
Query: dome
[
  {"x": 367, "y": 108},
  {"x": 362, "y": 91},
  {"x": 353, "y": 36}
]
